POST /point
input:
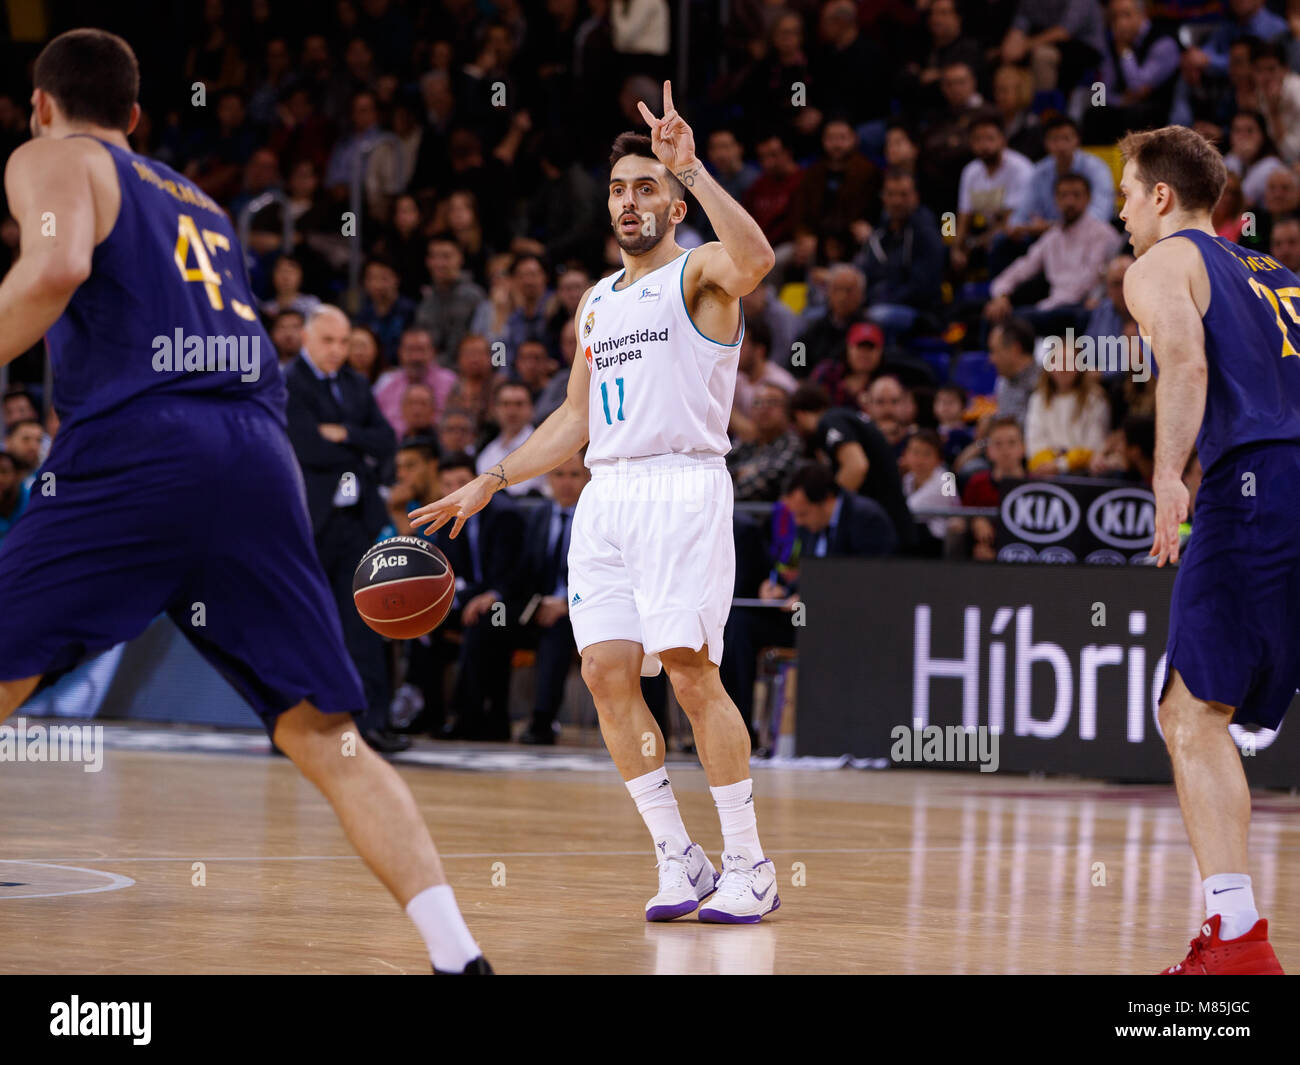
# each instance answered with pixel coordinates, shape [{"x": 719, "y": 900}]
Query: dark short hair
[
  {"x": 1180, "y": 158},
  {"x": 1019, "y": 332},
  {"x": 380, "y": 260},
  {"x": 957, "y": 390},
  {"x": 1072, "y": 176},
  {"x": 1005, "y": 421},
  {"x": 1271, "y": 49},
  {"x": 1059, "y": 121},
  {"x": 929, "y": 438},
  {"x": 986, "y": 116},
  {"x": 94, "y": 76},
  {"x": 810, "y": 397},
  {"x": 301, "y": 317},
  {"x": 13, "y": 427},
  {"x": 457, "y": 460},
  {"x": 425, "y": 445},
  {"x": 814, "y": 479},
  {"x": 630, "y": 143},
  {"x": 505, "y": 383}
]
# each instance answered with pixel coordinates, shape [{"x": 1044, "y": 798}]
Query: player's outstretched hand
[
  {"x": 1172, "y": 503},
  {"x": 461, "y": 504},
  {"x": 671, "y": 138}
]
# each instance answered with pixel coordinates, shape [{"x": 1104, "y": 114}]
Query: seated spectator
[
  {"x": 1064, "y": 156},
  {"x": 902, "y": 258},
  {"x": 1139, "y": 70},
  {"x": 846, "y": 378},
  {"x": 830, "y": 523},
  {"x": 726, "y": 160},
  {"x": 512, "y": 410},
  {"x": 363, "y": 353},
  {"x": 454, "y": 305},
  {"x": 841, "y": 188},
  {"x": 1246, "y": 19},
  {"x": 759, "y": 467},
  {"x": 1285, "y": 243},
  {"x": 1070, "y": 254},
  {"x": 405, "y": 245},
  {"x": 556, "y": 389},
  {"x": 24, "y": 441},
  {"x": 531, "y": 301},
  {"x": 1005, "y": 452},
  {"x": 416, "y": 364},
  {"x": 886, "y": 403},
  {"x": 286, "y": 336},
  {"x": 1013, "y": 99},
  {"x": 534, "y": 367},
  {"x": 754, "y": 370},
  {"x": 860, "y": 457},
  {"x": 825, "y": 332},
  {"x": 1281, "y": 198},
  {"x": 783, "y": 323},
  {"x": 419, "y": 410},
  {"x": 1107, "y": 317},
  {"x": 457, "y": 431},
  {"x": 384, "y": 310},
  {"x": 544, "y": 576},
  {"x": 993, "y": 185},
  {"x": 286, "y": 281},
  {"x": 1011, "y": 350},
  {"x": 474, "y": 377},
  {"x": 925, "y": 485},
  {"x": 1066, "y": 422},
  {"x": 1060, "y": 40},
  {"x": 1252, "y": 155},
  {"x": 13, "y": 494},
  {"x": 945, "y": 138},
  {"x": 944, "y": 43},
  {"x": 1278, "y": 89},
  {"x": 1229, "y": 216},
  {"x": 770, "y": 200},
  {"x": 570, "y": 287},
  {"x": 949, "y": 414},
  {"x": 18, "y": 406}
]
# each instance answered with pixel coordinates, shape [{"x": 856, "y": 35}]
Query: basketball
[{"x": 403, "y": 587}]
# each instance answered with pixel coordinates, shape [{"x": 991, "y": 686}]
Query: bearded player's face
[{"x": 640, "y": 203}]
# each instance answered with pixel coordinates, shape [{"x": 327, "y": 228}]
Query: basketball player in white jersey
[{"x": 651, "y": 555}]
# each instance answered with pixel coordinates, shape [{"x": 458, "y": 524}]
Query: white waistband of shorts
[{"x": 650, "y": 463}]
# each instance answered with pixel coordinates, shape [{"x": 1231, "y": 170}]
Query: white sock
[
  {"x": 735, "y": 803},
  {"x": 1229, "y": 895},
  {"x": 657, "y": 805},
  {"x": 445, "y": 933}
]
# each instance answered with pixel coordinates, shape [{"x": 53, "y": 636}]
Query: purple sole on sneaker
[
  {"x": 671, "y": 913},
  {"x": 721, "y": 917}
]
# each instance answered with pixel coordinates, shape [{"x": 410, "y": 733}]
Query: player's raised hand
[
  {"x": 460, "y": 505},
  {"x": 671, "y": 138},
  {"x": 1172, "y": 503}
]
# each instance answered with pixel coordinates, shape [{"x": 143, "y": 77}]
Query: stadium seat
[
  {"x": 975, "y": 373},
  {"x": 936, "y": 353}
]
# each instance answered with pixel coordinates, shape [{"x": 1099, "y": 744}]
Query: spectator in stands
[
  {"x": 1070, "y": 254},
  {"x": 927, "y": 484},
  {"x": 902, "y": 149},
  {"x": 345, "y": 160},
  {"x": 1252, "y": 155},
  {"x": 766, "y": 91},
  {"x": 544, "y": 595},
  {"x": 458, "y": 215},
  {"x": 1060, "y": 39},
  {"x": 534, "y": 368},
  {"x": 18, "y": 406},
  {"x": 405, "y": 244},
  {"x": 903, "y": 257},
  {"x": 1249, "y": 19},
  {"x": 726, "y": 161},
  {"x": 557, "y": 387},
  {"x": 223, "y": 150},
  {"x": 846, "y": 378},
  {"x": 753, "y": 370},
  {"x": 886, "y": 403},
  {"x": 363, "y": 353},
  {"x": 474, "y": 377},
  {"x": 416, "y": 364},
  {"x": 384, "y": 309},
  {"x": 944, "y": 44},
  {"x": 1107, "y": 317},
  {"x": 341, "y": 438},
  {"x": 1011, "y": 350},
  {"x": 457, "y": 431},
  {"x": 759, "y": 466},
  {"x": 1013, "y": 98},
  {"x": 531, "y": 297},
  {"x": 486, "y": 558},
  {"x": 286, "y": 336},
  {"x": 565, "y": 216},
  {"x": 860, "y": 457},
  {"x": 1005, "y": 450},
  {"x": 826, "y": 332},
  {"x": 1139, "y": 69},
  {"x": 1064, "y": 156},
  {"x": 1229, "y": 216},
  {"x": 454, "y": 305},
  {"x": 419, "y": 410},
  {"x": 949, "y": 415},
  {"x": 1281, "y": 196},
  {"x": 570, "y": 287},
  {"x": 23, "y": 441},
  {"x": 852, "y": 70},
  {"x": 945, "y": 141},
  {"x": 1066, "y": 422},
  {"x": 993, "y": 185},
  {"x": 770, "y": 200},
  {"x": 763, "y": 304},
  {"x": 830, "y": 523},
  {"x": 13, "y": 494},
  {"x": 1285, "y": 244},
  {"x": 1278, "y": 89},
  {"x": 839, "y": 189},
  {"x": 286, "y": 281},
  {"x": 512, "y": 410}
]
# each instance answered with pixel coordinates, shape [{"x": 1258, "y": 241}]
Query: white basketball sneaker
[
  {"x": 684, "y": 880},
  {"x": 745, "y": 892}
]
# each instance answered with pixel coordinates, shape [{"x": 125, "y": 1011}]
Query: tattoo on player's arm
[
  {"x": 499, "y": 472},
  {"x": 687, "y": 176}
]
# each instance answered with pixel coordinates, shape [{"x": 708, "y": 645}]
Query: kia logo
[
  {"x": 1040, "y": 513},
  {"x": 1124, "y": 518}
]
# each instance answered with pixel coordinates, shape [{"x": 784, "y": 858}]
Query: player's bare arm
[
  {"x": 1163, "y": 290},
  {"x": 556, "y": 439},
  {"x": 48, "y": 182},
  {"x": 722, "y": 271}
]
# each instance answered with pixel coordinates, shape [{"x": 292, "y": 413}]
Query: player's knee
[
  {"x": 609, "y": 678},
  {"x": 1183, "y": 717},
  {"x": 313, "y": 739},
  {"x": 696, "y": 685}
]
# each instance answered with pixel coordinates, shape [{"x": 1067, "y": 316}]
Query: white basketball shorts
[{"x": 652, "y": 557}]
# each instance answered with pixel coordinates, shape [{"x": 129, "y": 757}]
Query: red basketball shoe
[{"x": 1248, "y": 955}]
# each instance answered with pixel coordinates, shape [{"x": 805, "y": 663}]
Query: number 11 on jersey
[{"x": 604, "y": 399}]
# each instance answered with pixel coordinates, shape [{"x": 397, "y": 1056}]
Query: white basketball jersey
[{"x": 658, "y": 385}]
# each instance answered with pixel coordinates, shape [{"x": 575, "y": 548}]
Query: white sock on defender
[
  {"x": 1229, "y": 895},
  {"x": 657, "y": 805},
  {"x": 735, "y": 803},
  {"x": 436, "y": 915}
]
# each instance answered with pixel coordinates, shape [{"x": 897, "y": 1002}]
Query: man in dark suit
[
  {"x": 545, "y": 579},
  {"x": 341, "y": 439},
  {"x": 828, "y": 523},
  {"x": 486, "y": 559}
]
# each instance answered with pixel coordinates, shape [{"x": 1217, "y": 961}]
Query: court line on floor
[{"x": 116, "y": 882}]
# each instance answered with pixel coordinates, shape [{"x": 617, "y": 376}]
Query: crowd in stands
[{"x": 937, "y": 177}]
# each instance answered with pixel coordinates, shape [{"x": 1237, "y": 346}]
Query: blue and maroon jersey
[{"x": 167, "y": 310}]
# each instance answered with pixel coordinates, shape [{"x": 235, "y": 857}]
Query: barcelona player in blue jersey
[
  {"x": 1224, "y": 328},
  {"x": 171, "y": 486}
]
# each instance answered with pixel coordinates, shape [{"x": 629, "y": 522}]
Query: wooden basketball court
[{"x": 879, "y": 871}]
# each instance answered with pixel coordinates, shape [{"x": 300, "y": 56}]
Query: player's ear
[
  {"x": 678, "y": 213},
  {"x": 134, "y": 120}
]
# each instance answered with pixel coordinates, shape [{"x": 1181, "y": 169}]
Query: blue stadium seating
[{"x": 975, "y": 373}]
